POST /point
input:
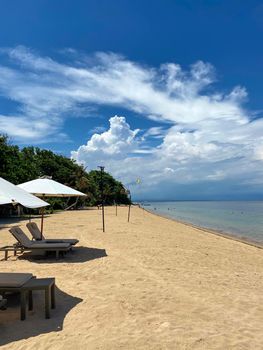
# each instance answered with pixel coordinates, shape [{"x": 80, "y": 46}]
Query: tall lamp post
[
  {"x": 116, "y": 207},
  {"x": 102, "y": 195}
]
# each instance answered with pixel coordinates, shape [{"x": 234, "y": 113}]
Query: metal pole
[
  {"x": 42, "y": 219},
  {"x": 103, "y": 219},
  {"x": 42, "y": 222},
  {"x": 102, "y": 196}
]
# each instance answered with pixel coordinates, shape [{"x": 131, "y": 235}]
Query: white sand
[{"x": 149, "y": 284}]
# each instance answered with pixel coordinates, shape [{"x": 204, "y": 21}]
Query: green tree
[{"x": 18, "y": 166}]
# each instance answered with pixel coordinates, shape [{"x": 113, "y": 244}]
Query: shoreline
[
  {"x": 223, "y": 234},
  {"x": 162, "y": 283}
]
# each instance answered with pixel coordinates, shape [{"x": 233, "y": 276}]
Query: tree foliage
[{"x": 21, "y": 165}]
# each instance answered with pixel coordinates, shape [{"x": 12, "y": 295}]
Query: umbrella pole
[
  {"x": 42, "y": 222},
  {"x": 102, "y": 196},
  {"x": 42, "y": 219}
]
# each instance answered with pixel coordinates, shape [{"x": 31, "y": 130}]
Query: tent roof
[
  {"x": 49, "y": 188},
  {"x": 10, "y": 193}
]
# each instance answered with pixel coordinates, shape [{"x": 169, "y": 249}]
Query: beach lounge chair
[
  {"x": 36, "y": 234},
  {"x": 25, "y": 284},
  {"x": 26, "y": 244}
]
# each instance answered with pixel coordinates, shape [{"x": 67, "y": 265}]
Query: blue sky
[{"x": 166, "y": 91}]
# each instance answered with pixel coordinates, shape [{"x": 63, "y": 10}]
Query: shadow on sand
[
  {"x": 5, "y": 222},
  {"x": 12, "y": 329},
  {"x": 78, "y": 255}
]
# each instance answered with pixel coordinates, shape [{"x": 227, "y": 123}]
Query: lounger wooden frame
[{"x": 28, "y": 245}]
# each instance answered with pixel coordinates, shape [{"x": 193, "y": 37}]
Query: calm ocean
[{"x": 243, "y": 219}]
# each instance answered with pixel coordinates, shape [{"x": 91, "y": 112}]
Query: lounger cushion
[
  {"x": 36, "y": 233},
  {"x": 71, "y": 241},
  {"x": 34, "y": 230},
  {"x": 14, "y": 280},
  {"x": 20, "y": 236},
  {"x": 24, "y": 241},
  {"x": 41, "y": 245}
]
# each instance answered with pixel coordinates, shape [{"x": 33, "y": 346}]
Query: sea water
[{"x": 242, "y": 219}]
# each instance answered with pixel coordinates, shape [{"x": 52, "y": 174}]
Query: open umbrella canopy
[
  {"x": 49, "y": 188},
  {"x": 10, "y": 193}
]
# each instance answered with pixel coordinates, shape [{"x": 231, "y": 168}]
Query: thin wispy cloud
[
  {"x": 44, "y": 88},
  {"x": 203, "y": 133}
]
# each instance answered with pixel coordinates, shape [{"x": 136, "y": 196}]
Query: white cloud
[
  {"x": 169, "y": 170},
  {"x": 157, "y": 132},
  {"x": 208, "y": 135},
  {"x": 183, "y": 157},
  {"x": 46, "y": 89},
  {"x": 21, "y": 128},
  {"x": 117, "y": 142}
]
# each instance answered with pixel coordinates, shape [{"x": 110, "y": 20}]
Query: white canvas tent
[
  {"x": 10, "y": 193},
  {"x": 49, "y": 188}
]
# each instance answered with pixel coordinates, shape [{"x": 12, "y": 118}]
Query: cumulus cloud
[
  {"x": 183, "y": 157},
  {"x": 117, "y": 142}
]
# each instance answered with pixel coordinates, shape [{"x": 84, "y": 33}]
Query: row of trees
[{"x": 21, "y": 165}]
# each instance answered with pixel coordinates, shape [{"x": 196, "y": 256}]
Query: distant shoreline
[{"x": 212, "y": 231}]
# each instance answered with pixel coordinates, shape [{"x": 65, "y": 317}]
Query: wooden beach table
[
  {"x": 15, "y": 248},
  {"x": 46, "y": 284},
  {"x": 26, "y": 293}
]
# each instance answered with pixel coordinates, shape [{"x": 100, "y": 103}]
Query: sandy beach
[{"x": 152, "y": 283}]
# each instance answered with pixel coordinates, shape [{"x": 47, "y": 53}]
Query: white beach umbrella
[
  {"x": 49, "y": 188},
  {"x": 10, "y": 193}
]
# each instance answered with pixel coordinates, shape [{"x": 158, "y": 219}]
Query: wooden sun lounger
[
  {"x": 36, "y": 234},
  {"x": 25, "y": 284},
  {"x": 28, "y": 245}
]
